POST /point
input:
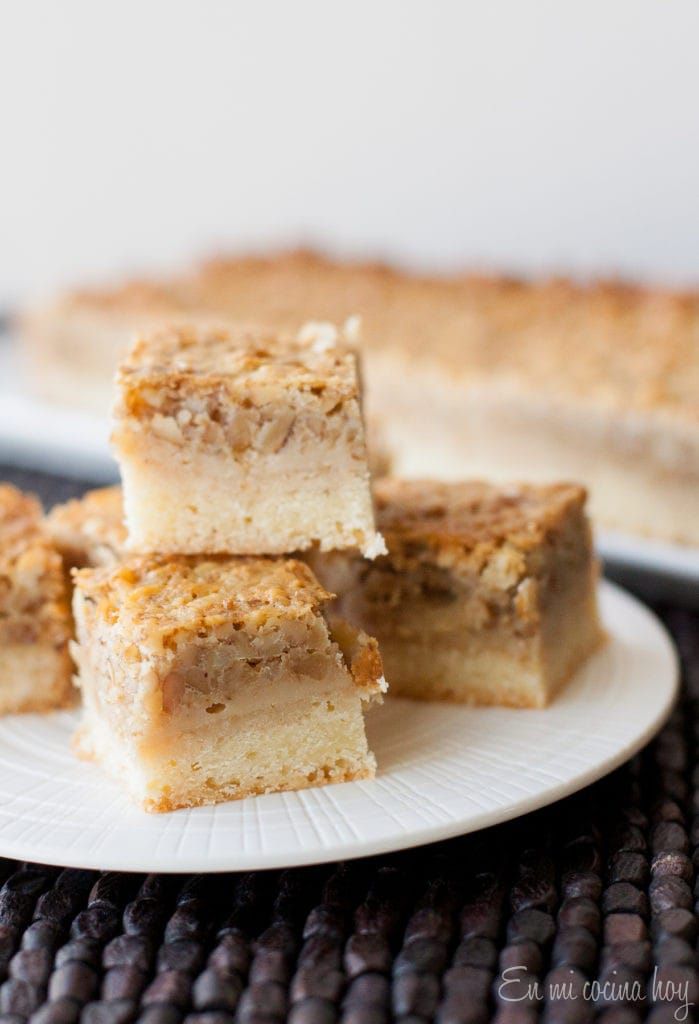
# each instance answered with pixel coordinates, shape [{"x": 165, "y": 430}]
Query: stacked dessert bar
[{"x": 208, "y": 667}]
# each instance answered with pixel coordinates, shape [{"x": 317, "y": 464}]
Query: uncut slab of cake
[{"x": 467, "y": 376}]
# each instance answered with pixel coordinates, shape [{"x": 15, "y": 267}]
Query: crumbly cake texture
[
  {"x": 213, "y": 679},
  {"x": 487, "y": 595},
  {"x": 243, "y": 441},
  {"x": 89, "y": 531},
  {"x": 466, "y": 376},
  {"x": 35, "y": 622}
]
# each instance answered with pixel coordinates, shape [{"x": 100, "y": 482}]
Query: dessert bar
[
  {"x": 487, "y": 595},
  {"x": 241, "y": 440},
  {"x": 212, "y": 679},
  {"x": 35, "y": 622}
]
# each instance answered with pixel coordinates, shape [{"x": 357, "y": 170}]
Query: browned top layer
[
  {"x": 470, "y": 523},
  {"x": 33, "y": 595},
  {"x": 137, "y": 296},
  {"x": 610, "y": 343},
  {"x": 153, "y": 600},
  {"x": 90, "y": 530},
  {"x": 246, "y": 361}
]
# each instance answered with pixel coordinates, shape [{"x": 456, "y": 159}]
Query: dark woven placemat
[{"x": 583, "y": 911}]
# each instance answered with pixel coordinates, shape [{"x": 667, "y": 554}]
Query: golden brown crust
[
  {"x": 249, "y": 364},
  {"x": 155, "y": 599},
  {"x": 135, "y": 296},
  {"x": 33, "y": 594},
  {"x": 89, "y": 531},
  {"x": 608, "y": 343},
  {"x": 474, "y": 516}
]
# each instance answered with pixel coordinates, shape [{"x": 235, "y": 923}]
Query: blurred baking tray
[{"x": 73, "y": 443}]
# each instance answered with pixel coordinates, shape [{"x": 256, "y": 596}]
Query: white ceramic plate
[{"x": 443, "y": 771}]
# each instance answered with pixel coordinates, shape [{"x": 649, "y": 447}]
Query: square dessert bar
[
  {"x": 213, "y": 679},
  {"x": 35, "y": 622},
  {"x": 241, "y": 441},
  {"x": 487, "y": 594},
  {"x": 89, "y": 531}
]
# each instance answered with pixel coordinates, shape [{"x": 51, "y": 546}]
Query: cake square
[
  {"x": 487, "y": 594},
  {"x": 241, "y": 441},
  {"x": 35, "y": 622},
  {"x": 213, "y": 679},
  {"x": 89, "y": 531}
]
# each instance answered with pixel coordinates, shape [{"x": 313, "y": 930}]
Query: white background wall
[{"x": 524, "y": 134}]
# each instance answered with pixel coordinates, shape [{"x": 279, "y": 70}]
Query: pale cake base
[
  {"x": 495, "y": 668},
  {"x": 306, "y": 743},
  {"x": 34, "y": 678},
  {"x": 274, "y": 505}
]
